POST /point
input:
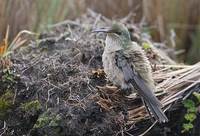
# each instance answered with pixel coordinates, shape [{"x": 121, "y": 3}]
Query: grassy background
[{"x": 181, "y": 16}]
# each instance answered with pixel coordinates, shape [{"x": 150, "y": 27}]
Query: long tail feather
[
  {"x": 152, "y": 102},
  {"x": 156, "y": 111}
]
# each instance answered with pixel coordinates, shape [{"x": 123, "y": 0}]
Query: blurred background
[{"x": 165, "y": 19}]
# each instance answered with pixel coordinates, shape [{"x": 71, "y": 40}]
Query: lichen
[
  {"x": 31, "y": 106},
  {"x": 48, "y": 119}
]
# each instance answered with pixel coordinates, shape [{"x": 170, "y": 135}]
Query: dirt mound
[{"x": 57, "y": 87}]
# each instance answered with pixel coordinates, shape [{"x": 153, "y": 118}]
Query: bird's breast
[{"x": 113, "y": 73}]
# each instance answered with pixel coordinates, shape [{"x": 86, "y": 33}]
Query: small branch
[
  {"x": 4, "y": 128},
  {"x": 145, "y": 132}
]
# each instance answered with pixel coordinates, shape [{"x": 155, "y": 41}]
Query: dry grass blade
[{"x": 17, "y": 42}]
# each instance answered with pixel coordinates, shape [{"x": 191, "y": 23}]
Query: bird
[{"x": 127, "y": 66}]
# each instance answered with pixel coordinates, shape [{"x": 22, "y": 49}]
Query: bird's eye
[{"x": 118, "y": 33}]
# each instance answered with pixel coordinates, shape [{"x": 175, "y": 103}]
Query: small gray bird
[{"x": 127, "y": 66}]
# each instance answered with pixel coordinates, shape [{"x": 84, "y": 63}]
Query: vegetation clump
[
  {"x": 192, "y": 111},
  {"x": 6, "y": 102},
  {"x": 48, "y": 119},
  {"x": 31, "y": 106}
]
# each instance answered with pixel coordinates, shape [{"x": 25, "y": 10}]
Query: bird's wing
[{"x": 123, "y": 62}]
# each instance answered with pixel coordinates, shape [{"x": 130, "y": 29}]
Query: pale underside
[{"x": 136, "y": 58}]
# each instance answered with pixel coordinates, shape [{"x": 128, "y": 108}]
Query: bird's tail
[
  {"x": 151, "y": 101},
  {"x": 156, "y": 111}
]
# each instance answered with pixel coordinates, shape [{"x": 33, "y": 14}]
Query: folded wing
[{"x": 123, "y": 62}]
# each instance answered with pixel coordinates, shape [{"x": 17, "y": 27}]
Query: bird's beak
[{"x": 105, "y": 30}]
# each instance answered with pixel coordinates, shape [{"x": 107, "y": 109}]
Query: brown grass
[
  {"x": 35, "y": 14},
  {"x": 162, "y": 16}
]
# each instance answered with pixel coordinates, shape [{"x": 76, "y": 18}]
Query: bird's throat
[{"x": 113, "y": 44}]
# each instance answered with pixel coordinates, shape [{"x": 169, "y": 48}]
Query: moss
[
  {"x": 42, "y": 121},
  {"x": 5, "y": 103},
  {"x": 48, "y": 119},
  {"x": 146, "y": 46},
  {"x": 31, "y": 106}
]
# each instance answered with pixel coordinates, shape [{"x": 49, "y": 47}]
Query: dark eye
[{"x": 118, "y": 33}]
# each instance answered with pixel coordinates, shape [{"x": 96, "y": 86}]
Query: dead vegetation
[{"x": 60, "y": 75}]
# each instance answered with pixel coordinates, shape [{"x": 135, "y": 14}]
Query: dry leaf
[
  {"x": 98, "y": 72},
  {"x": 5, "y": 63}
]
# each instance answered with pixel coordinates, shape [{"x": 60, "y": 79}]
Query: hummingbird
[{"x": 127, "y": 66}]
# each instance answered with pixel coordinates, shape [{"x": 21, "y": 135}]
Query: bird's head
[{"x": 117, "y": 32}]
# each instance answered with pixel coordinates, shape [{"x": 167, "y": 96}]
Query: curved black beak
[{"x": 104, "y": 29}]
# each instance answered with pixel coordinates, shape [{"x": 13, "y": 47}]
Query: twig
[
  {"x": 14, "y": 96},
  {"x": 128, "y": 17},
  {"x": 4, "y": 128},
  {"x": 18, "y": 36},
  {"x": 146, "y": 131},
  {"x": 174, "y": 66},
  {"x": 66, "y": 22},
  {"x": 96, "y": 20}
]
